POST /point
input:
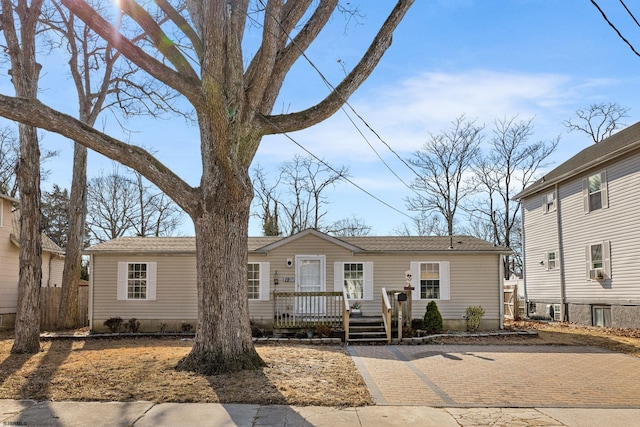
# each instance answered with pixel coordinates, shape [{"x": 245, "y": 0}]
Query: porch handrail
[
  {"x": 346, "y": 312},
  {"x": 386, "y": 314}
]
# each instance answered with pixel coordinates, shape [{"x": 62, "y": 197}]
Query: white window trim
[
  {"x": 264, "y": 281},
  {"x": 545, "y": 204},
  {"x": 445, "y": 280},
  {"x": 606, "y": 259},
  {"x": 123, "y": 268},
  {"x": 604, "y": 197},
  {"x": 557, "y": 260},
  {"x": 367, "y": 268}
]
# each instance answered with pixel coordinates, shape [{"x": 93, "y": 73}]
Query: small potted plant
[{"x": 356, "y": 309}]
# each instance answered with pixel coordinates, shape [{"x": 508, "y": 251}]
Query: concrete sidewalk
[{"x": 148, "y": 414}]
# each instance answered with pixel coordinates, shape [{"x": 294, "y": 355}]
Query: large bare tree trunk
[
  {"x": 68, "y": 309},
  {"x": 223, "y": 341},
  {"x": 27, "y": 332}
]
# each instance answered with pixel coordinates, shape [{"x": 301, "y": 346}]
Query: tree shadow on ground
[{"x": 39, "y": 380}]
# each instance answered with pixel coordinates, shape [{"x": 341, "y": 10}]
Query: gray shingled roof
[
  {"x": 48, "y": 245},
  {"x": 186, "y": 245},
  {"x": 620, "y": 144}
]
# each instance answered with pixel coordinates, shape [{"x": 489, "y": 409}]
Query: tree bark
[
  {"x": 68, "y": 309},
  {"x": 223, "y": 341},
  {"x": 27, "y": 330}
]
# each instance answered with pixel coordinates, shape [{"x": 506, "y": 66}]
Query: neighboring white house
[
  {"x": 582, "y": 236},
  {"x": 154, "y": 279},
  {"x": 52, "y": 260}
]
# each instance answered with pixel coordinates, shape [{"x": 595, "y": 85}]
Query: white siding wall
[
  {"x": 618, "y": 223},
  {"x": 541, "y": 237},
  {"x": 9, "y": 254}
]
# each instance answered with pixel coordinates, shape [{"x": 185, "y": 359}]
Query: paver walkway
[{"x": 499, "y": 376}]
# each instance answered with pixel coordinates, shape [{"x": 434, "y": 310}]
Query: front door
[{"x": 310, "y": 278}]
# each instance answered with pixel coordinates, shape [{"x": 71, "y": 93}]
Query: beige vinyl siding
[
  {"x": 9, "y": 264},
  {"x": 541, "y": 237},
  {"x": 176, "y": 294},
  {"x": 617, "y": 224},
  {"x": 56, "y": 267}
]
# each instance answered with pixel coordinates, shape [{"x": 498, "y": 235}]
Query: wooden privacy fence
[{"x": 50, "y": 301}]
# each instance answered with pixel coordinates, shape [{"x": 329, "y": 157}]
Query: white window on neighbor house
[
  {"x": 598, "y": 260},
  {"x": 549, "y": 202},
  {"x": 430, "y": 280},
  {"x": 356, "y": 278},
  {"x": 137, "y": 281},
  {"x": 594, "y": 190},
  {"x": 258, "y": 281},
  {"x": 601, "y": 315},
  {"x": 552, "y": 260}
]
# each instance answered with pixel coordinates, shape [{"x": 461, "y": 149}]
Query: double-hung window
[
  {"x": 137, "y": 281},
  {"x": 549, "y": 202},
  {"x": 598, "y": 260},
  {"x": 594, "y": 189},
  {"x": 553, "y": 260},
  {"x": 356, "y": 278},
  {"x": 258, "y": 281},
  {"x": 430, "y": 280}
]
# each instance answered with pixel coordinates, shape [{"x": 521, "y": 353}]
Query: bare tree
[
  {"x": 511, "y": 165},
  {"x": 101, "y": 81},
  {"x": 422, "y": 224},
  {"x": 349, "y": 227},
  {"x": 303, "y": 200},
  {"x": 234, "y": 110},
  {"x": 444, "y": 163},
  {"x": 599, "y": 121},
  {"x": 266, "y": 197},
  {"x": 20, "y": 44},
  {"x": 155, "y": 214}
]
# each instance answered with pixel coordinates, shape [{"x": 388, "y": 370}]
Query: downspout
[
  {"x": 563, "y": 290},
  {"x": 524, "y": 264},
  {"x": 501, "y": 289}
]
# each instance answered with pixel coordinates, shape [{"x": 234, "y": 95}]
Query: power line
[
  {"x": 614, "y": 27},
  {"x": 629, "y": 12}
]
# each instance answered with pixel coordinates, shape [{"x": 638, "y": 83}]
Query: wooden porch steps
[{"x": 367, "y": 330}]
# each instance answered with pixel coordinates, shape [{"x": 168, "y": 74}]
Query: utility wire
[
  {"x": 614, "y": 27},
  {"x": 629, "y": 12}
]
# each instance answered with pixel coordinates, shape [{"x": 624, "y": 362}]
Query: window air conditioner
[{"x": 596, "y": 274}]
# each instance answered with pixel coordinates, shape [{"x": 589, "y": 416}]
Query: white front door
[{"x": 310, "y": 276}]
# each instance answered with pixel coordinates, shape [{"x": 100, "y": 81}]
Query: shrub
[
  {"x": 408, "y": 332},
  {"x": 113, "y": 323},
  {"x": 323, "y": 331},
  {"x": 417, "y": 324},
  {"x": 474, "y": 316},
  {"x": 133, "y": 325},
  {"x": 187, "y": 327},
  {"x": 433, "y": 319}
]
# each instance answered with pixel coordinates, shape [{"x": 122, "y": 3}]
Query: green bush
[
  {"x": 433, "y": 319},
  {"x": 417, "y": 324},
  {"x": 474, "y": 316}
]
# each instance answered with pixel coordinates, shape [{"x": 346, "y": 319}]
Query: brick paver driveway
[{"x": 499, "y": 376}]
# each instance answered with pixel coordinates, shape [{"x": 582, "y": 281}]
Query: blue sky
[{"x": 486, "y": 59}]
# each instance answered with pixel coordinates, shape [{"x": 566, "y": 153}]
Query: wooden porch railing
[
  {"x": 307, "y": 309},
  {"x": 386, "y": 313},
  {"x": 346, "y": 314}
]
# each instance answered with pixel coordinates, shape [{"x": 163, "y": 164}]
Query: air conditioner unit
[{"x": 596, "y": 274}]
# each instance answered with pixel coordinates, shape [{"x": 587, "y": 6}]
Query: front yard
[{"x": 104, "y": 369}]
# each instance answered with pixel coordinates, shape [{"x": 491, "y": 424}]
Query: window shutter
[
  {"x": 445, "y": 281},
  {"x": 606, "y": 258},
  {"x": 265, "y": 280},
  {"x": 545, "y": 207},
  {"x": 546, "y": 261},
  {"x": 604, "y": 194},
  {"x": 585, "y": 193},
  {"x": 122, "y": 281},
  {"x": 558, "y": 259},
  {"x": 152, "y": 279},
  {"x": 587, "y": 256},
  {"x": 415, "y": 279},
  {"x": 368, "y": 281},
  {"x": 338, "y": 276}
]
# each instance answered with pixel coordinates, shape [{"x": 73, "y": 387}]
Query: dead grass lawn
[{"x": 296, "y": 374}]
